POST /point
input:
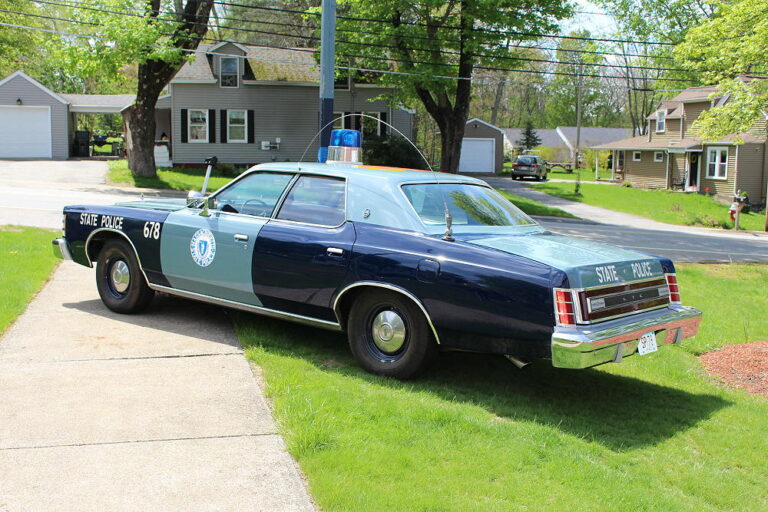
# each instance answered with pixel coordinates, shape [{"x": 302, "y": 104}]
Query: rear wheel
[
  {"x": 388, "y": 335},
  {"x": 119, "y": 279}
]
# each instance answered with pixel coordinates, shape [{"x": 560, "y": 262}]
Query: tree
[
  {"x": 529, "y": 139},
  {"x": 156, "y": 35},
  {"x": 724, "y": 50},
  {"x": 435, "y": 48}
]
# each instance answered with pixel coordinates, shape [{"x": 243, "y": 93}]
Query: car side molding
[{"x": 386, "y": 286}]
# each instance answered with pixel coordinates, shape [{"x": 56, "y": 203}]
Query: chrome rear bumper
[
  {"x": 591, "y": 345},
  {"x": 61, "y": 249}
]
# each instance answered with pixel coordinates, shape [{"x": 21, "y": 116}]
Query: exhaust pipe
[{"x": 517, "y": 362}]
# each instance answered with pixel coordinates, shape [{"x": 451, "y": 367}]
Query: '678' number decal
[{"x": 152, "y": 230}]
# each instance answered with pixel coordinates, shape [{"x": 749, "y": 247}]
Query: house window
[
  {"x": 198, "y": 125},
  {"x": 717, "y": 163},
  {"x": 371, "y": 126},
  {"x": 338, "y": 120},
  {"x": 229, "y": 74},
  {"x": 658, "y": 156},
  {"x": 237, "y": 126},
  {"x": 636, "y": 156},
  {"x": 661, "y": 121}
]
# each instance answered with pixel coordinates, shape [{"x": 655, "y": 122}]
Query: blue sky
[{"x": 596, "y": 23}]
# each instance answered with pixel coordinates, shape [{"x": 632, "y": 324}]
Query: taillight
[
  {"x": 564, "y": 309},
  {"x": 674, "y": 290},
  {"x": 535, "y": 166}
]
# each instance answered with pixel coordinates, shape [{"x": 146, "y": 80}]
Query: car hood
[
  {"x": 586, "y": 263},
  {"x": 167, "y": 205}
]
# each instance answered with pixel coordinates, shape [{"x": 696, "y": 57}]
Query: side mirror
[{"x": 208, "y": 203}]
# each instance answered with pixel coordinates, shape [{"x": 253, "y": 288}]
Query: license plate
[{"x": 647, "y": 344}]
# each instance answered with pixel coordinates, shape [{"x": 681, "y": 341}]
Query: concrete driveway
[
  {"x": 86, "y": 172},
  {"x": 158, "y": 411}
]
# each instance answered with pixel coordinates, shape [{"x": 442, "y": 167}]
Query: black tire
[
  {"x": 417, "y": 350},
  {"x": 115, "y": 259}
]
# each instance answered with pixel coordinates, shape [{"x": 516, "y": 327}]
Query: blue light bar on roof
[{"x": 345, "y": 147}]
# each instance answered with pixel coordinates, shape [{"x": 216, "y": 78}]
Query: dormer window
[
  {"x": 661, "y": 121},
  {"x": 229, "y": 72}
]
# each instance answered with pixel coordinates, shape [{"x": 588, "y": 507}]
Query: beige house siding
[
  {"x": 692, "y": 112},
  {"x": 759, "y": 129},
  {"x": 677, "y": 167},
  {"x": 750, "y": 177},
  {"x": 646, "y": 173},
  {"x": 723, "y": 189},
  {"x": 672, "y": 131}
]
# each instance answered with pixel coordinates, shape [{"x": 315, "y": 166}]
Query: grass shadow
[{"x": 617, "y": 412}]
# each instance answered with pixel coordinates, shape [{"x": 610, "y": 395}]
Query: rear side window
[
  {"x": 526, "y": 160},
  {"x": 315, "y": 200}
]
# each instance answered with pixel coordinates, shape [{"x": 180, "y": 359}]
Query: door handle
[
  {"x": 241, "y": 238},
  {"x": 336, "y": 251}
]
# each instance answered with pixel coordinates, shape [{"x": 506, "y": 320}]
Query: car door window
[
  {"x": 315, "y": 200},
  {"x": 256, "y": 194}
]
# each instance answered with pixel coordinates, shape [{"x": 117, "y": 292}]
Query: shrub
[
  {"x": 227, "y": 170},
  {"x": 392, "y": 150}
]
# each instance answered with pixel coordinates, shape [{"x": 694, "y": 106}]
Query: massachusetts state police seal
[{"x": 203, "y": 247}]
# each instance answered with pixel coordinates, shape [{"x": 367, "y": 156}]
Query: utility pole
[
  {"x": 327, "y": 61},
  {"x": 578, "y": 121}
]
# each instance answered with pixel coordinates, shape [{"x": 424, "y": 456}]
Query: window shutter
[
  {"x": 384, "y": 127},
  {"x": 357, "y": 122},
  {"x": 348, "y": 121},
  {"x": 251, "y": 136},
  {"x": 223, "y": 136},
  {"x": 184, "y": 136},
  {"x": 212, "y": 126}
]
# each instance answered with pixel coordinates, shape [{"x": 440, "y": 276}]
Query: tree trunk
[{"x": 153, "y": 76}]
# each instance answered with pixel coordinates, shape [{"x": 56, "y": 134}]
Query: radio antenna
[{"x": 448, "y": 235}]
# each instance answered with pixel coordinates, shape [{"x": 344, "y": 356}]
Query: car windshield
[
  {"x": 470, "y": 205},
  {"x": 526, "y": 160}
]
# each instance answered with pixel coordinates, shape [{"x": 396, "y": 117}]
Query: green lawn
[
  {"x": 26, "y": 261},
  {"x": 659, "y": 205},
  {"x": 532, "y": 207},
  {"x": 654, "y": 433},
  {"x": 176, "y": 179}
]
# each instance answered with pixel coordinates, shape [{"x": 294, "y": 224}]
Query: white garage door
[
  {"x": 477, "y": 155},
  {"x": 25, "y": 132}
]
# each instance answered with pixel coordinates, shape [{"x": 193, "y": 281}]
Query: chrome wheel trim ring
[
  {"x": 388, "y": 332},
  {"x": 120, "y": 276}
]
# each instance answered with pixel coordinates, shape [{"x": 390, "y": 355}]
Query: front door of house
[{"x": 693, "y": 172}]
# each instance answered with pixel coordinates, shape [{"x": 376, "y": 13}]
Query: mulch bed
[{"x": 744, "y": 366}]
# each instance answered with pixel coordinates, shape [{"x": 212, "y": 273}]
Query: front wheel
[
  {"x": 119, "y": 279},
  {"x": 389, "y": 335}
]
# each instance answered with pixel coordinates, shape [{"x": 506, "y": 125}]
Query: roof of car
[{"x": 378, "y": 172}]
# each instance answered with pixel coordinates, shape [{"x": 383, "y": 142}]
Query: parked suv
[{"x": 530, "y": 165}]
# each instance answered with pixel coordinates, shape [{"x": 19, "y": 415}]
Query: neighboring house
[
  {"x": 672, "y": 156},
  {"x": 482, "y": 148},
  {"x": 248, "y": 105},
  {"x": 563, "y": 139},
  {"x": 36, "y": 122}
]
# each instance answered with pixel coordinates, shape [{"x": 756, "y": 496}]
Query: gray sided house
[
  {"x": 672, "y": 156},
  {"x": 248, "y": 105},
  {"x": 36, "y": 122},
  {"x": 563, "y": 139}
]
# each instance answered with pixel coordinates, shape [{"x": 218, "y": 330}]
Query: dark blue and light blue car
[{"x": 364, "y": 250}]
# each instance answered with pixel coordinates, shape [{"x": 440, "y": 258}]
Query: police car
[{"x": 406, "y": 262}]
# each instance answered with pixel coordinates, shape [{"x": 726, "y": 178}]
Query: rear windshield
[
  {"x": 526, "y": 160},
  {"x": 470, "y": 205}
]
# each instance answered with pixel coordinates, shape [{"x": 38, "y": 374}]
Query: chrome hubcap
[
  {"x": 388, "y": 331},
  {"x": 121, "y": 276}
]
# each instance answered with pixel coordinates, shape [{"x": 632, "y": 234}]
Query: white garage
[
  {"x": 477, "y": 155},
  {"x": 34, "y": 121},
  {"x": 25, "y": 132},
  {"x": 482, "y": 148}
]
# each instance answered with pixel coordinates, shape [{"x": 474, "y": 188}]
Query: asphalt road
[
  {"x": 40, "y": 204},
  {"x": 681, "y": 247}
]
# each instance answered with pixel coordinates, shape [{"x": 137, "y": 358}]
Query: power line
[
  {"x": 74, "y": 4},
  {"x": 314, "y": 38},
  {"x": 482, "y": 79},
  {"x": 448, "y": 27}
]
